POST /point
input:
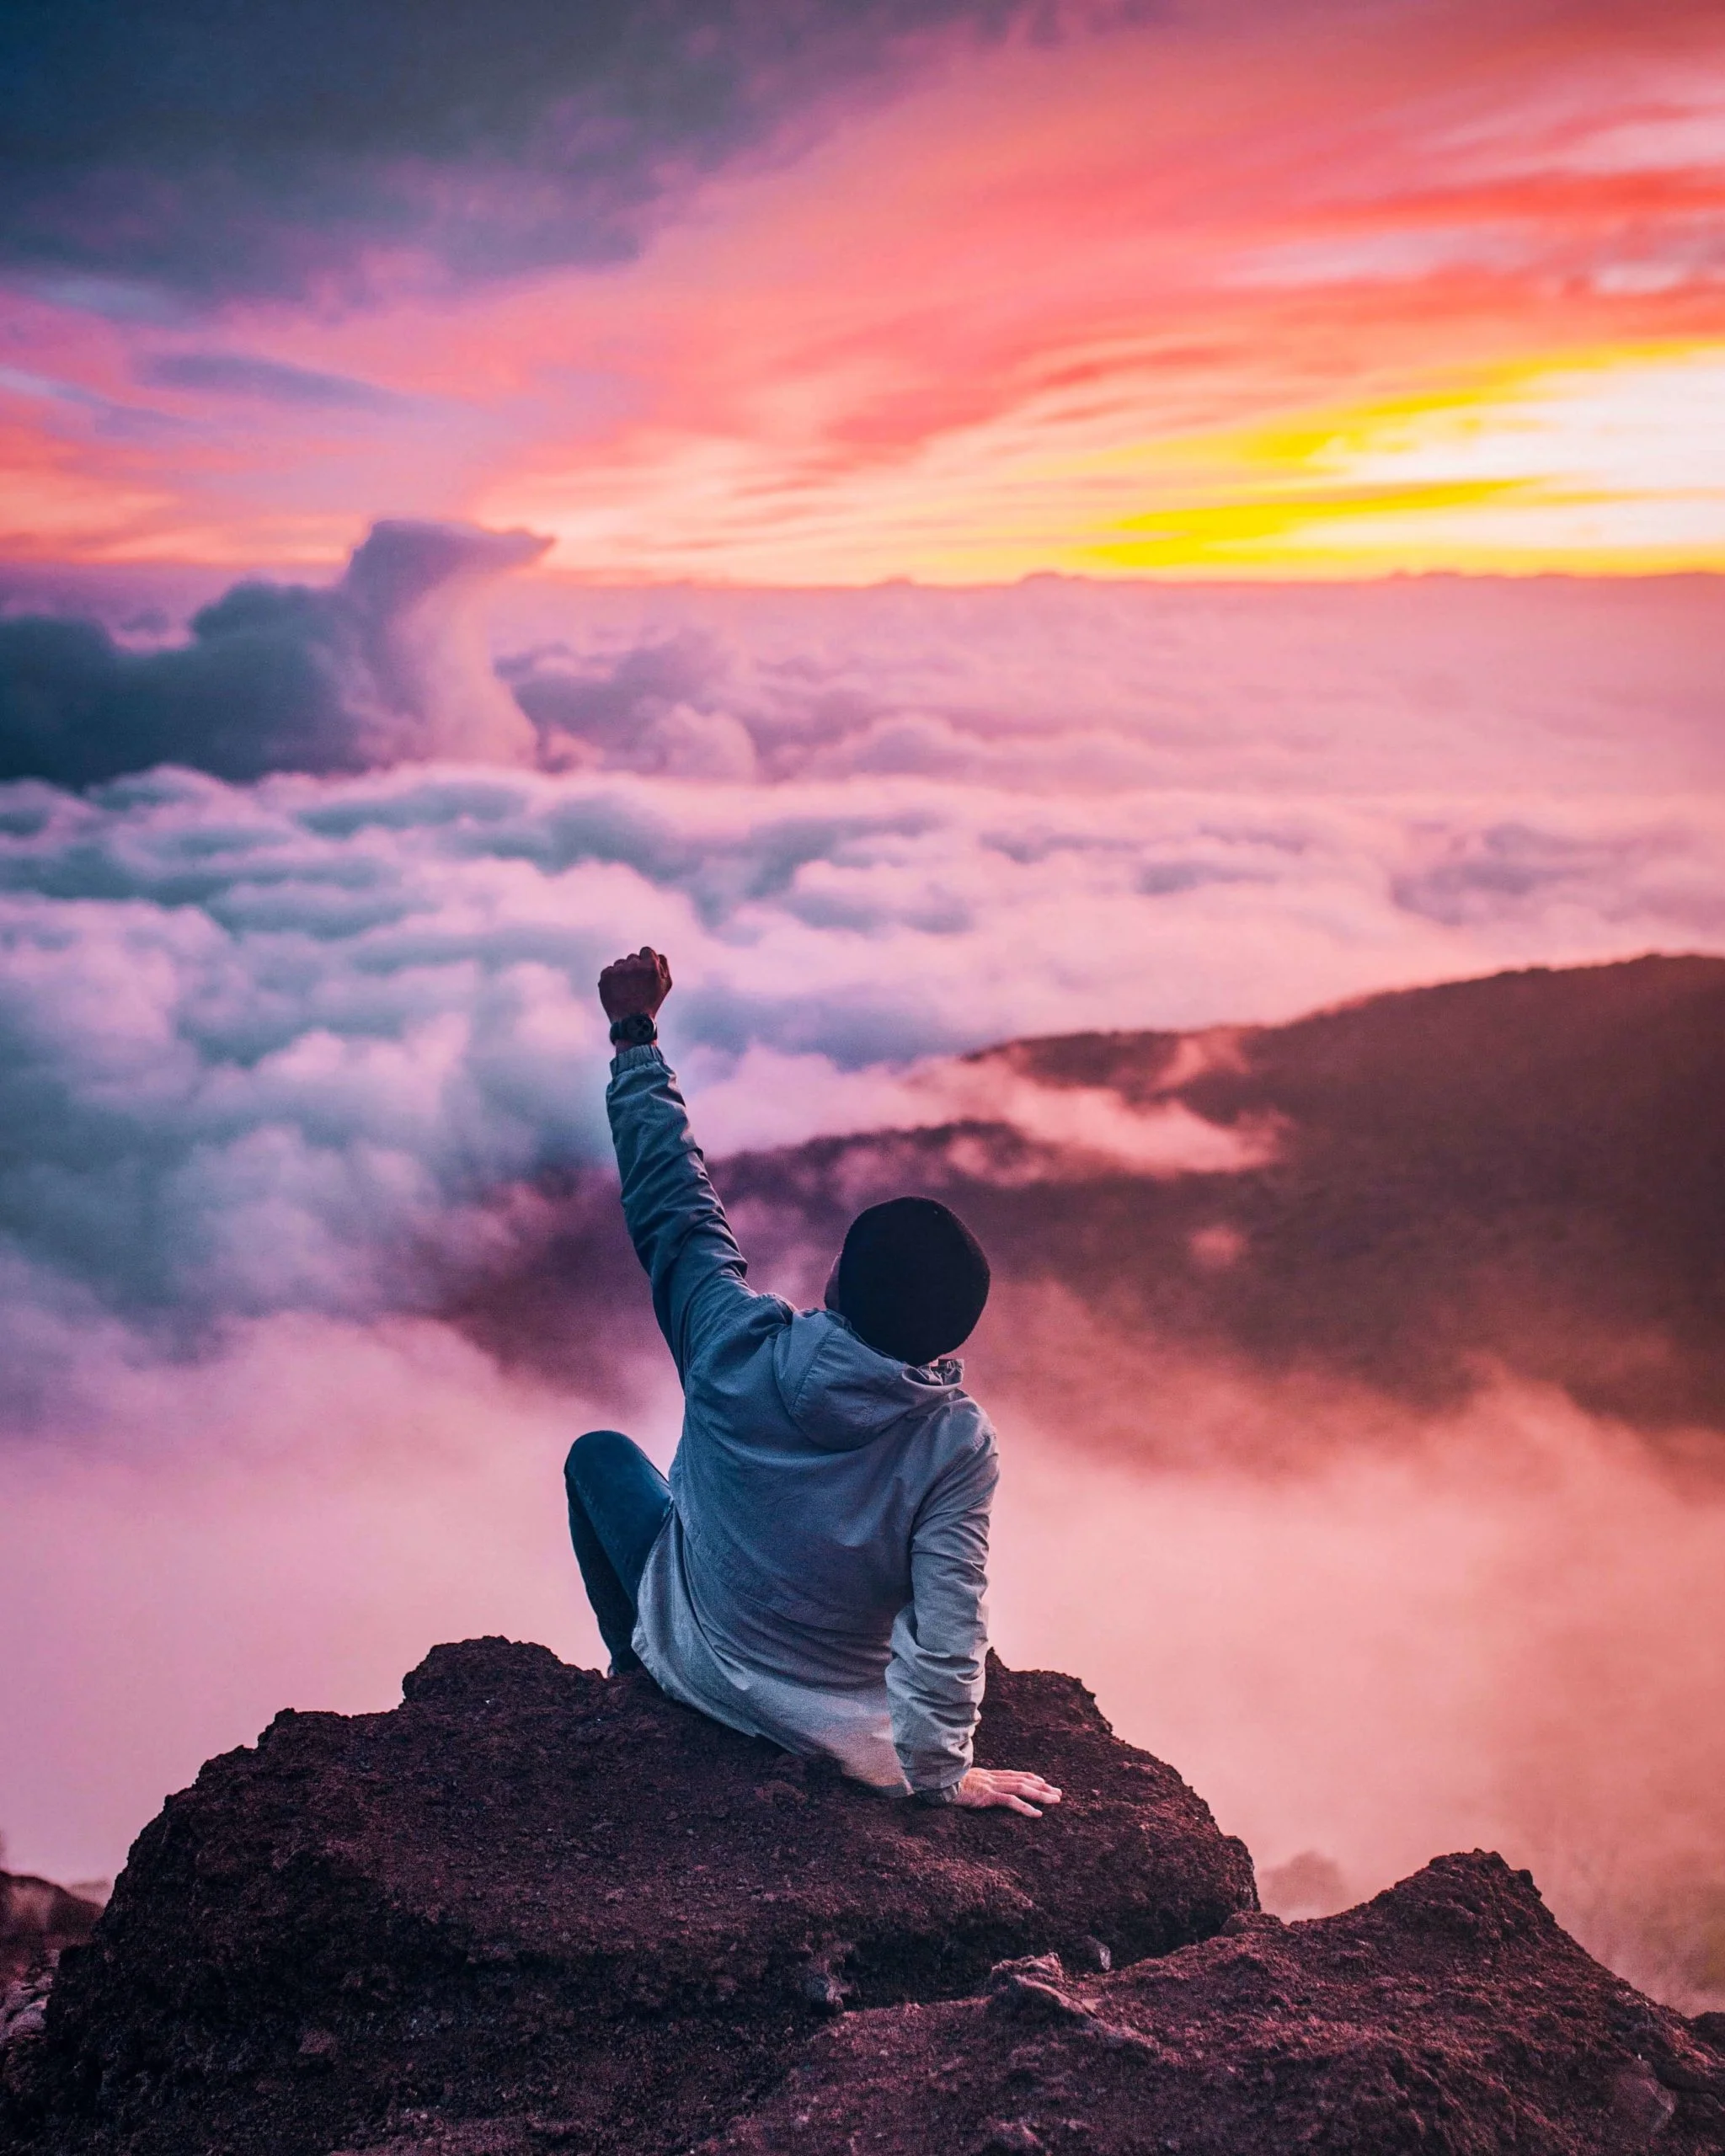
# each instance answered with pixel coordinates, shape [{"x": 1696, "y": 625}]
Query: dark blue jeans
[{"x": 618, "y": 1501}]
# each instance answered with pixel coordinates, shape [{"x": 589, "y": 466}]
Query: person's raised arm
[{"x": 675, "y": 1219}]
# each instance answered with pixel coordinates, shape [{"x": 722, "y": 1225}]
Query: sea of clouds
[
  {"x": 283, "y": 1013},
  {"x": 300, "y": 914}
]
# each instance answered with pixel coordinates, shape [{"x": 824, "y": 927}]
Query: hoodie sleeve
[
  {"x": 940, "y": 1638},
  {"x": 673, "y": 1213}
]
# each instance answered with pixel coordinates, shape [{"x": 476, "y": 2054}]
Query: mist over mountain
[{"x": 1523, "y": 1175}]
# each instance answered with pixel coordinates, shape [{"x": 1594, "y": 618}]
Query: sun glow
[{"x": 1610, "y": 461}]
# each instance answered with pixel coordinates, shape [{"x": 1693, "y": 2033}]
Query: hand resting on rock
[{"x": 986, "y": 1788}]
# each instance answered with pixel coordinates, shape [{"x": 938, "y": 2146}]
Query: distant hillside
[{"x": 1526, "y": 1172}]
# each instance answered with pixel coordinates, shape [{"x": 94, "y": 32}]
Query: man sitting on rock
[{"x": 814, "y": 1571}]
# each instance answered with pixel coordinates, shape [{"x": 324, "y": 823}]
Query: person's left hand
[
  {"x": 638, "y": 983},
  {"x": 985, "y": 1788}
]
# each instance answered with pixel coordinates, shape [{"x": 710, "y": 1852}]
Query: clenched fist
[{"x": 638, "y": 983}]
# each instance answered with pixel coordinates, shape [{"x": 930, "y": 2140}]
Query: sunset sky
[{"x": 953, "y": 292}]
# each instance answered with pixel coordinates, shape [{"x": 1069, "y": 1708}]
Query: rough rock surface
[
  {"x": 534, "y": 1908},
  {"x": 1450, "y": 2016}
]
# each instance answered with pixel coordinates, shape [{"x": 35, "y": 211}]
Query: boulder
[
  {"x": 532, "y": 1907},
  {"x": 1450, "y": 2016}
]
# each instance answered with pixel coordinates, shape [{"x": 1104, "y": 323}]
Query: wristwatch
[{"x": 637, "y": 1030}]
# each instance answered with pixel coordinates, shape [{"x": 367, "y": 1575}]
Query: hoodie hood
[{"x": 843, "y": 1394}]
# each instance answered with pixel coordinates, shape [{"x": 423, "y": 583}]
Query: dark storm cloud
[
  {"x": 273, "y": 677},
  {"x": 215, "y": 150},
  {"x": 239, "y": 374}
]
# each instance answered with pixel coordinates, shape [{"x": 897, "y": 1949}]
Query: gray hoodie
[{"x": 820, "y": 1579}]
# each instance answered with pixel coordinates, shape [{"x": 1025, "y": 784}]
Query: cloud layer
[
  {"x": 1552, "y": 689},
  {"x": 291, "y": 1049},
  {"x": 299, "y": 1046}
]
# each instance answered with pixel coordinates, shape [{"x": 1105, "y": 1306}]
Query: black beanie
[{"x": 912, "y": 1278}]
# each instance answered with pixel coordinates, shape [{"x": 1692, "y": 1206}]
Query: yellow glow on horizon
[{"x": 1608, "y": 461}]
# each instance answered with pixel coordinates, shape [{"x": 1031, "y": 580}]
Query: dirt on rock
[
  {"x": 534, "y": 1907},
  {"x": 1450, "y": 2016}
]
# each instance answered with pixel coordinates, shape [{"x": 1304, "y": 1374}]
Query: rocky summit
[
  {"x": 549, "y": 1908},
  {"x": 532, "y": 1908}
]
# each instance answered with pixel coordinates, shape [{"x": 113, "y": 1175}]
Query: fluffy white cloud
[{"x": 292, "y": 1045}]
